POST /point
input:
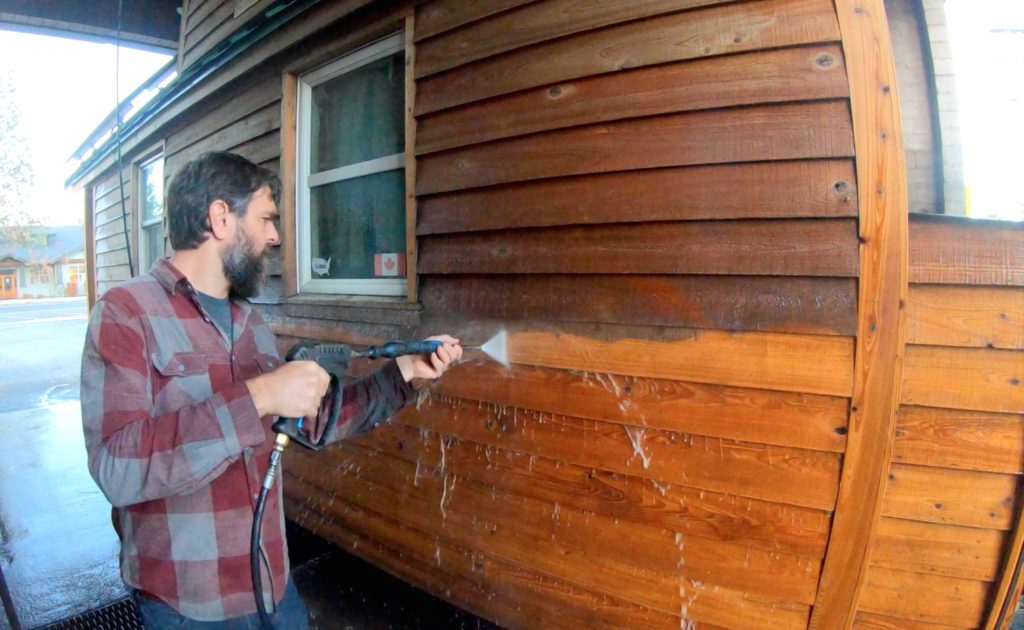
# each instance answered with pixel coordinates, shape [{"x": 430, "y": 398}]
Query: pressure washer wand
[{"x": 496, "y": 347}]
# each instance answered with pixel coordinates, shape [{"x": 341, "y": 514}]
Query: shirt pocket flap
[{"x": 180, "y": 363}]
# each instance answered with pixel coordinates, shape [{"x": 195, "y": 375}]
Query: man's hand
[
  {"x": 419, "y": 366},
  {"x": 293, "y": 390}
]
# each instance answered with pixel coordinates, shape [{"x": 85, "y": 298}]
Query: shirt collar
[{"x": 172, "y": 280}]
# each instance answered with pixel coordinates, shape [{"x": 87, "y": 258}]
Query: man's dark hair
[{"x": 212, "y": 176}]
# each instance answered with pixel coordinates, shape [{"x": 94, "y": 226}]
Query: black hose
[{"x": 254, "y": 557}]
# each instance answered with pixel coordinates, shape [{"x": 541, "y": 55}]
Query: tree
[{"x": 16, "y": 176}]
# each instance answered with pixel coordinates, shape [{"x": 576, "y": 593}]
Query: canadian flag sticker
[{"x": 385, "y": 265}]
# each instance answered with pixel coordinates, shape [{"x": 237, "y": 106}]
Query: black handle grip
[
  {"x": 393, "y": 349},
  {"x": 292, "y": 427}
]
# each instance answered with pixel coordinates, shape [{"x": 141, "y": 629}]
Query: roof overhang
[{"x": 149, "y": 24}]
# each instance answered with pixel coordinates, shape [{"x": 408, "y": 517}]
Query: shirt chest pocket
[{"x": 183, "y": 377}]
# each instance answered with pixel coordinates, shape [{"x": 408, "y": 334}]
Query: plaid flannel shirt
[{"x": 176, "y": 445}]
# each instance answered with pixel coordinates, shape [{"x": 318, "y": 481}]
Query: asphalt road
[{"x": 58, "y": 551}]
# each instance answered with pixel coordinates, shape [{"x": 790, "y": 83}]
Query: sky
[{"x": 65, "y": 89}]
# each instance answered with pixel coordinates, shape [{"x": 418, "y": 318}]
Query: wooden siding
[
  {"x": 659, "y": 201},
  {"x": 952, "y": 500},
  {"x": 207, "y": 23},
  {"x": 681, "y": 322}
]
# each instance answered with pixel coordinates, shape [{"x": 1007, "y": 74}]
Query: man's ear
[{"x": 218, "y": 214}]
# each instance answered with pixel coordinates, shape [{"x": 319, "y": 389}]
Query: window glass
[
  {"x": 355, "y": 222},
  {"x": 351, "y": 193},
  {"x": 359, "y": 115}
]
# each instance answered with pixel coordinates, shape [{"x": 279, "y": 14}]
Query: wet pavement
[{"x": 58, "y": 550}]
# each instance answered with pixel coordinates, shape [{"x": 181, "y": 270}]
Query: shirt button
[{"x": 181, "y": 368}]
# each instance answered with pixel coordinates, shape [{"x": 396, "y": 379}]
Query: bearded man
[{"x": 181, "y": 380}]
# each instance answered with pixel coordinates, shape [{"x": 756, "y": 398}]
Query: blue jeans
[{"x": 291, "y": 615}]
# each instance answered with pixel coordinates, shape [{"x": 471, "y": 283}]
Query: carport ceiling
[{"x": 144, "y": 23}]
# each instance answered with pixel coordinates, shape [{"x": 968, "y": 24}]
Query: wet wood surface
[
  {"x": 964, "y": 378},
  {"x": 750, "y": 415},
  {"x": 924, "y": 598},
  {"x": 951, "y": 497},
  {"x": 969, "y": 316},
  {"x": 956, "y": 438},
  {"x": 800, "y": 363},
  {"x": 965, "y": 552}
]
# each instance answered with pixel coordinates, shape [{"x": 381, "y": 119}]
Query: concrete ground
[{"x": 58, "y": 551}]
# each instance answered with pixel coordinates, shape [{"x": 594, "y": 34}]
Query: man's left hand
[{"x": 434, "y": 365}]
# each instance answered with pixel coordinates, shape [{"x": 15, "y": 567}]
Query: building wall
[
  {"x": 917, "y": 106},
  {"x": 954, "y": 195},
  {"x": 658, "y": 202}
]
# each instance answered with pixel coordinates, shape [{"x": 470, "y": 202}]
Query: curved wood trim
[{"x": 878, "y": 361}]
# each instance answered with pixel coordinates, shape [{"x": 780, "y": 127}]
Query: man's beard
[{"x": 243, "y": 267}]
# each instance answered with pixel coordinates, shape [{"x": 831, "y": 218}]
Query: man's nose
[{"x": 273, "y": 238}]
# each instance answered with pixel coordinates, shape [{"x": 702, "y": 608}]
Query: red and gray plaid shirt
[{"x": 176, "y": 445}]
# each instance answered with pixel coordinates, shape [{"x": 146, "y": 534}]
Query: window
[
  {"x": 151, "y": 212},
  {"x": 351, "y": 173},
  {"x": 39, "y": 274}
]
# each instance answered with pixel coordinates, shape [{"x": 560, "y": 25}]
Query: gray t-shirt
[{"x": 219, "y": 309}]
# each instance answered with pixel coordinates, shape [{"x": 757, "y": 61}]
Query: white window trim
[
  {"x": 397, "y": 287},
  {"x": 140, "y": 193}
]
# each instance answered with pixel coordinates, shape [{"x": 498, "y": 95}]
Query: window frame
[
  {"x": 138, "y": 193},
  {"x": 304, "y": 180}
]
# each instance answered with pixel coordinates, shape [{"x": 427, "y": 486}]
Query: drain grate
[{"x": 120, "y": 615}]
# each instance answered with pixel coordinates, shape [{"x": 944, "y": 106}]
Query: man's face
[{"x": 243, "y": 259}]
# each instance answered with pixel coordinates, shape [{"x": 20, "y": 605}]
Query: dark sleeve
[{"x": 371, "y": 401}]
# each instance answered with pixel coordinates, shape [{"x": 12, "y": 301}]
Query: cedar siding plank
[
  {"x": 700, "y": 513},
  {"x": 769, "y": 190},
  {"x": 479, "y": 582},
  {"x": 566, "y": 604},
  {"x": 643, "y": 562},
  {"x": 970, "y": 316},
  {"x": 794, "y": 74},
  {"x": 534, "y": 24},
  {"x": 964, "y": 378},
  {"x": 800, "y": 363},
  {"x": 198, "y": 10},
  {"x": 965, "y": 552},
  {"x": 798, "y": 305},
  {"x": 433, "y": 18},
  {"x": 792, "y": 248},
  {"x": 253, "y": 126},
  {"x": 926, "y": 598},
  {"x": 871, "y": 621},
  {"x": 770, "y": 132},
  {"x": 951, "y": 497},
  {"x": 771, "y": 473},
  {"x": 750, "y": 415},
  {"x": 733, "y": 28},
  {"x": 947, "y": 250},
  {"x": 219, "y": 12},
  {"x": 954, "y": 438},
  {"x": 242, "y": 105}
]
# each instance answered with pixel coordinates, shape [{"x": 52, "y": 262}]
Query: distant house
[{"x": 43, "y": 262}]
